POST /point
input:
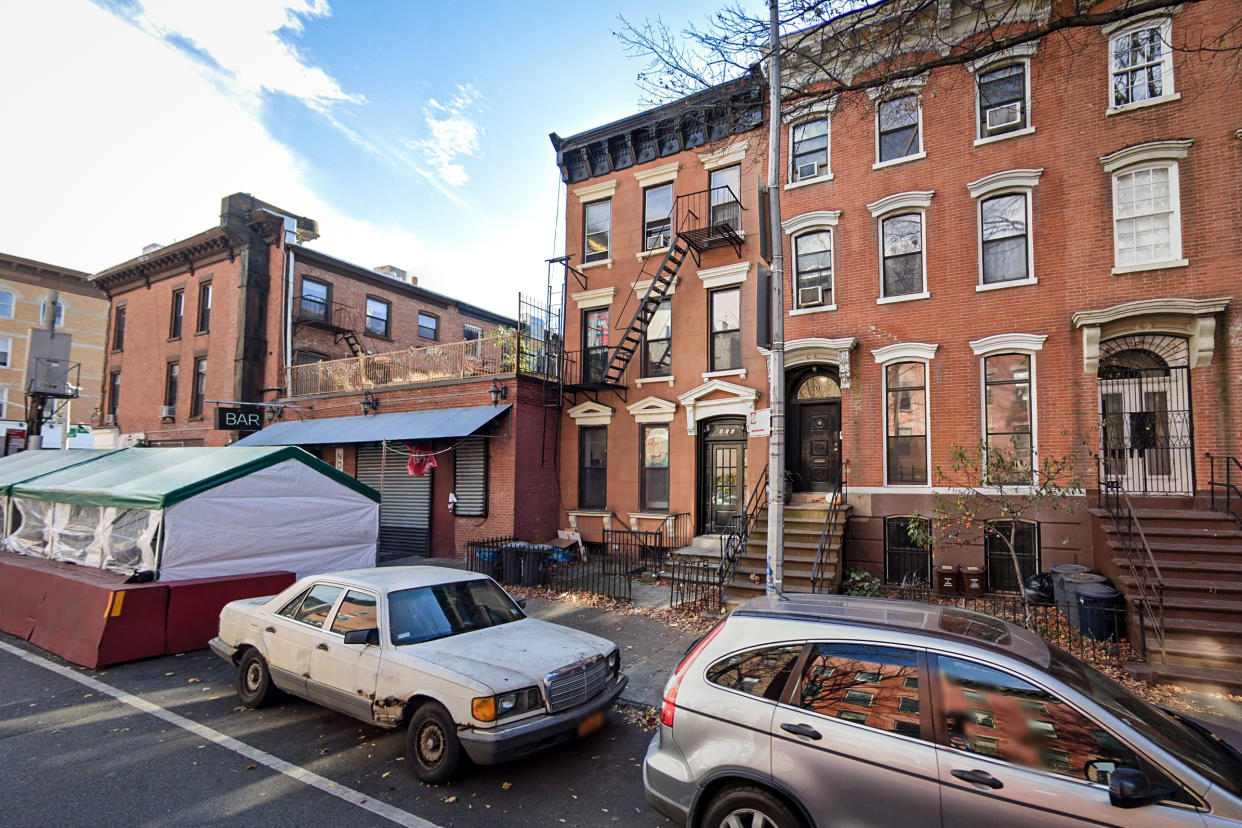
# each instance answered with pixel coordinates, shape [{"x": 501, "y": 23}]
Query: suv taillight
[{"x": 670, "y": 691}]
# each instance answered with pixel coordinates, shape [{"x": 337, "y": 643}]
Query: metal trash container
[
  {"x": 535, "y": 564},
  {"x": 1100, "y": 610},
  {"x": 1038, "y": 589},
  {"x": 1072, "y": 581},
  {"x": 1058, "y": 583},
  {"x": 487, "y": 561},
  {"x": 973, "y": 584},
  {"x": 948, "y": 580},
  {"x": 511, "y": 562}
]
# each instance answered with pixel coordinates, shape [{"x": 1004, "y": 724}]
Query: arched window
[{"x": 819, "y": 387}]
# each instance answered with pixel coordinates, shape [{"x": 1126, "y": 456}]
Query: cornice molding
[
  {"x": 814, "y": 220},
  {"x": 595, "y": 192},
  {"x": 658, "y": 175},
  {"x": 905, "y": 351},
  {"x": 1174, "y": 150},
  {"x": 911, "y": 200},
  {"x": 1005, "y": 180},
  {"x": 1007, "y": 342}
]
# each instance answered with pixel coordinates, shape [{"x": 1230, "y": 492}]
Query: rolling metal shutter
[
  {"x": 405, "y": 505},
  {"x": 470, "y": 477}
]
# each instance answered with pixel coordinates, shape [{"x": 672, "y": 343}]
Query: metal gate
[
  {"x": 1146, "y": 434},
  {"x": 405, "y": 505}
]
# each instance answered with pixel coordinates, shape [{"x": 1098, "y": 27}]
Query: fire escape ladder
[
  {"x": 350, "y": 338},
  {"x": 632, "y": 339}
]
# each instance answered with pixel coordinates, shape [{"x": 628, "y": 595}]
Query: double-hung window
[
  {"x": 809, "y": 149},
  {"x": 314, "y": 300},
  {"x": 898, "y": 128},
  {"x": 902, "y": 250},
  {"x": 1002, "y": 100},
  {"x": 114, "y": 394},
  {"x": 474, "y": 335},
  {"x": 597, "y": 230},
  {"x": 1004, "y": 205},
  {"x": 1141, "y": 63},
  {"x": 1147, "y": 222},
  {"x": 655, "y": 470},
  {"x": 595, "y": 324},
  {"x": 658, "y": 342},
  {"x": 172, "y": 377},
  {"x": 813, "y": 269},
  {"x": 204, "y": 307},
  {"x": 428, "y": 326},
  {"x": 378, "y": 313},
  {"x": 726, "y": 330},
  {"x": 905, "y": 422},
  {"x": 118, "y": 329},
  {"x": 657, "y": 216},
  {"x": 6, "y": 304},
  {"x": 726, "y": 186},
  {"x": 178, "y": 314},
  {"x": 592, "y": 467},
  {"x": 1007, "y": 418},
  {"x": 199, "y": 391},
  {"x": 6, "y": 352}
]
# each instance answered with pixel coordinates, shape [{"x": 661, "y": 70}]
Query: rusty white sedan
[{"x": 447, "y": 654}]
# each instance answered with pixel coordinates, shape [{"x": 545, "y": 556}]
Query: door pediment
[{"x": 716, "y": 398}]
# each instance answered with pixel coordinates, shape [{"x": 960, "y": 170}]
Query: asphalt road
[{"x": 177, "y": 750}]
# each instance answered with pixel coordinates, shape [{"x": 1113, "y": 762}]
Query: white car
[{"x": 448, "y": 654}]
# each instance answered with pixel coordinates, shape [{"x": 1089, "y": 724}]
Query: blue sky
[{"x": 416, "y": 133}]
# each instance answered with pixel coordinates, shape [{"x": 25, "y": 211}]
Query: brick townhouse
[
  {"x": 246, "y": 312},
  {"x": 1034, "y": 250}
]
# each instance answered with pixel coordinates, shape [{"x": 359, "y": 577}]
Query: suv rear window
[{"x": 761, "y": 673}]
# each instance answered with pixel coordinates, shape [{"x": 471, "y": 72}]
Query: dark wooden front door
[
  {"x": 819, "y": 447},
  {"x": 722, "y": 468}
]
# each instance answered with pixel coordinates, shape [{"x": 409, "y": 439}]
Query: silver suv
[{"x": 809, "y": 710}]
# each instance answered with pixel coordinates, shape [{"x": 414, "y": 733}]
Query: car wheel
[
  {"x": 431, "y": 744},
  {"x": 254, "y": 680},
  {"x": 749, "y": 807}
]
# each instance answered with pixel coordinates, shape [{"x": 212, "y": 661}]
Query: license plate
[{"x": 590, "y": 724}]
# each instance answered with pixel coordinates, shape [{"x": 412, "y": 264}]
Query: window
[
  {"x": 905, "y": 562},
  {"x": 6, "y": 352},
  {"x": 658, "y": 342},
  {"x": 597, "y": 230},
  {"x": 314, "y": 301},
  {"x": 60, "y": 313},
  {"x": 1004, "y": 230},
  {"x": 592, "y": 467},
  {"x": 4, "y": 403},
  {"x": 1141, "y": 63},
  {"x": 726, "y": 186},
  {"x": 377, "y": 317},
  {"x": 6, "y": 304},
  {"x": 657, "y": 216},
  {"x": 813, "y": 269},
  {"x": 898, "y": 128},
  {"x": 726, "y": 333},
  {"x": 172, "y": 376},
  {"x": 204, "y": 307},
  {"x": 305, "y": 357},
  {"x": 1068, "y": 745},
  {"x": 470, "y": 477},
  {"x": 1007, "y": 418},
  {"x": 114, "y": 393},
  {"x": 654, "y": 481},
  {"x": 317, "y": 604},
  {"x": 118, "y": 329},
  {"x": 358, "y": 611},
  {"x": 877, "y": 699},
  {"x": 1002, "y": 100},
  {"x": 905, "y": 415},
  {"x": 290, "y": 609},
  {"x": 1001, "y": 577},
  {"x": 474, "y": 335},
  {"x": 810, "y": 150},
  {"x": 1146, "y": 216},
  {"x": 902, "y": 255},
  {"x": 762, "y": 673},
  {"x": 595, "y": 324},
  {"x": 178, "y": 314},
  {"x": 428, "y": 326},
  {"x": 199, "y": 392}
]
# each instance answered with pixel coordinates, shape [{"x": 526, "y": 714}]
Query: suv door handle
[
  {"x": 269, "y": 629},
  {"x": 978, "y": 777},
  {"x": 802, "y": 730},
  {"x": 321, "y": 646}
]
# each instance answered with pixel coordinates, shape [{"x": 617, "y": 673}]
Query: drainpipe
[
  {"x": 776, "y": 361},
  {"x": 288, "y": 312}
]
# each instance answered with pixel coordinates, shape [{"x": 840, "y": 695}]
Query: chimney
[
  {"x": 151, "y": 248},
  {"x": 397, "y": 273}
]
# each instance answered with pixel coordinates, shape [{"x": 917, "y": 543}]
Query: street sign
[
  {"x": 759, "y": 422},
  {"x": 240, "y": 418}
]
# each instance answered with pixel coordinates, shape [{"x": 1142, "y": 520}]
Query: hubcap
[
  {"x": 747, "y": 818},
  {"x": 430, "y": 743},
  {"x": 254, "y": 676}
]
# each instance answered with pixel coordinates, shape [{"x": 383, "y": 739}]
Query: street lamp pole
[{"x": 776, "y": 359}]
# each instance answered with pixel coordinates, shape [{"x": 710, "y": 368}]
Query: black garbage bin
[
  {"x": 1100, "y": 610},
  {"x": 1072, "y": 581},
  {"x": 1058, "y": 581},
  {"x": 535, "y": 564},
  {"x": 1038, "y": 589},
  {"x": 511, "y": 562}
]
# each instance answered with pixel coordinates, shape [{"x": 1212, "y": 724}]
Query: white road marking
[{"x": 297, "y": 772}]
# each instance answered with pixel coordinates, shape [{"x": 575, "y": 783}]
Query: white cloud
[{"x": 453, "y": 133}]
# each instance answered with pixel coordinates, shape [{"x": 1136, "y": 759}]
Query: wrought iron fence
[
  {"x": 609, "y": 573},
  {"x": 651, "y": 546},
  {"x": 695, "y": 584},
  {"x": 516, "y": 563},
  {"x": 494, "y": 354},
  {"x": 1228, "y": 485}
]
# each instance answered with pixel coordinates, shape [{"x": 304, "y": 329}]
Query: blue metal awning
[{"x": 400, "y": 425}]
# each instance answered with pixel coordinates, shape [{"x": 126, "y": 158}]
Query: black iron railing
[
  {"x": 651, "y": 546},
  {"x": 1230, "y": 498},
  {"x": 710, "y": 218},
  {"x": 592, "y": 568},
  {"x": 316, "y": 310},
  {"x": 825, "y": 573}
]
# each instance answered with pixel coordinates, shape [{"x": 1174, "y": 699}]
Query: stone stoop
[{"x": 804, "y": 521}]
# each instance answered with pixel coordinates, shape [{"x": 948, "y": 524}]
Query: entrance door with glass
[{"x": 722, "y": 467}]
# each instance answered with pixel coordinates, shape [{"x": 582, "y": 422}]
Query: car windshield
[
  {"x": 1197, "y": 750},
  {"x": 428, "y": 613}
]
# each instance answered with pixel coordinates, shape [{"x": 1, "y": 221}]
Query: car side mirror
[
  {"x": 521, "y": 602},
  {"x": 1130, "y": 788},
  {"x": 370, "y": 636}
]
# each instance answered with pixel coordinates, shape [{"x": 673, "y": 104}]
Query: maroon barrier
[{"x": 194, "y": 606}]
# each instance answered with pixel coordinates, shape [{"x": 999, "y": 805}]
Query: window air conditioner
[
  {"x": 655, "y": 241},
  {"x": 808, "y": 170},
  {"x": 810, "y": 296},
  {"x": 1004, "y": 116},
  {"x": 168, "y": 411},
  {"x": 109, "y": 419}
]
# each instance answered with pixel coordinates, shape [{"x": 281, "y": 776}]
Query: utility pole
[{"x": 776, "y": 359}]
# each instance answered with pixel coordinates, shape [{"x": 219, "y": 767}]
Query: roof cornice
[{"x": 186, "y": 254}]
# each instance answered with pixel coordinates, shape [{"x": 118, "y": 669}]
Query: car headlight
[
  {"x": 491, "y": 708},
  {"x": 614, "y": 662}
]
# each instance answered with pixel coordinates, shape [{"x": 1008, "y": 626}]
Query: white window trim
[
  {"x": 1006, "y": 57},
  {"x": 981, "y": 288},
  {"x": 815, "y": 220},
  {"x": 652, "y": 410},
  {"x": 645, "y": 254},
  {"x": 591, "y": 299},
  {"x": 992, "y": 139},
  {"x": 1008, "y": 343},
  {"x": 911, "y": 200},
  {"x": 740, "y": 373},
  {"x": 1008, "y": 182},
  {"x": 914, "y": 201},
  {"x": 8, "y": 352},
  {"x": 921, "y": 353},
  {"x": 726, "y": 276},
  {"x": 826, "y": 174},
  {"x": 641, "y": 287},
  {"x": 1175, "y": 220},
  {"x": 905, "y": 352},
  {"x": 1147, "y": 152},
  {"x": 4, "y": 403},
  {"x": 1034, "y": 343},
  {"x": 585, "y": 204},
  {"x": 740, "y": 400},
  {"x": 816, "y": 309},
  {"x": 597, "y": 263},
  {"x": 725, "y": 157},
  {"x": 596, "y": 192},
  {"x": 654, "y": 177},
  {"x": 832, "y": 263},
  {"x": 639, "y": 382},
  {"x": 899, "y": 89},
  {"x": 1163, "y": 19},
  {"x": 591, "y": 414}
]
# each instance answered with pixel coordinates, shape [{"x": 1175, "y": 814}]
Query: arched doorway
[
  {"x": 722, "y": 472},
  {"x": 1145, "y": 414},
  {"x": 814, "y": 446}
]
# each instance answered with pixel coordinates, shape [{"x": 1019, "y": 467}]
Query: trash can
[
  {"x": 1058, "y": 584},
  {"x": 511, "y": 562},
  {"x": 1072, "y": 581},
  {"x": 535, "y": 564},
  {"x": 487, "y": 561},
  {"x": 1100, "y": 610},
  {"x": 1038, "y": 589},
  {"x": 972, "y": 581},
  {"x": 948, "y": 580}
]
